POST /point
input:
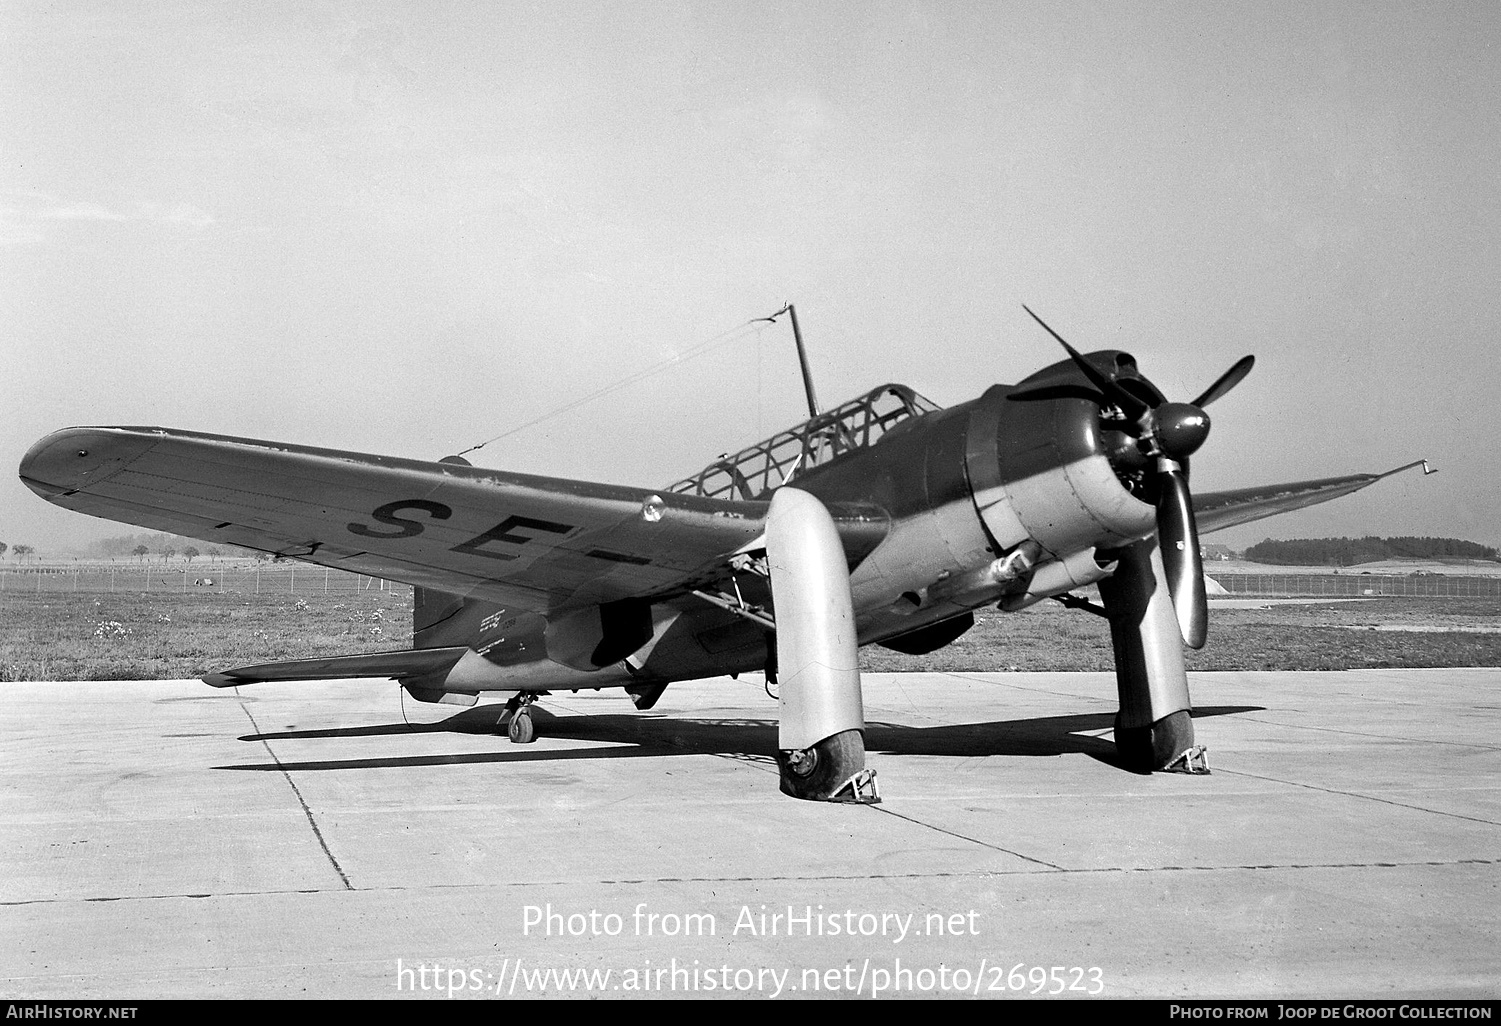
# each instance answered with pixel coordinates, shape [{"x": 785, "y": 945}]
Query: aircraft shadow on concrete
[{"x": 646, "y": 735}]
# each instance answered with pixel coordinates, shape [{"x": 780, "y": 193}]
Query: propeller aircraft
[{"x": 884, "y": 520}]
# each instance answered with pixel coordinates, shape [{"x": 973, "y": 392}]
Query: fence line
[
  {"x": 285, "y": 578},
  {"x": 207, "y": 580},
  {"x": 1358, "y": 585}
]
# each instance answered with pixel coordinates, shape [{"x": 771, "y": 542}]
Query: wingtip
[
  {"x": 1427, "y": 468},
  {"x": 71, "y": 459}
]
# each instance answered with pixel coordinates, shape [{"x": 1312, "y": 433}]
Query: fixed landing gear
[
  {"x": 522, "y": 730},
  {"x": 1149, "y": 671},
  {"x": 519, "y": 725},
  {"x": 1165, "y": 746},
  {"x": 833, "y": 770}
]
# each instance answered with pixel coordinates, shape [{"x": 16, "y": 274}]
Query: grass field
[
  {"x": 1323, "y": 636},
  {"x": 170, "y": 635},
  {"x": 179, "y": 634}
]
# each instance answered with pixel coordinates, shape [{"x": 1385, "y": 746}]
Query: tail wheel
[
  {"x": 521, "y": 730},
  {"x": 820, "y": 772},
  {"x": 1145, "y": 749}
]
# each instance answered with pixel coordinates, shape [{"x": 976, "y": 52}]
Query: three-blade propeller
[{"x": 1169, "y": 433}]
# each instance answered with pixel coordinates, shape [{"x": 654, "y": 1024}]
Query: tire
[
  {"x": 522, "y": 730},
  {"x": 830, "y": 763},
  {"x": 1144, "y": 749}
]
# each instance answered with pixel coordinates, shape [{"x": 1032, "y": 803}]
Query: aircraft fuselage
[{"x": 986, "y": 502}]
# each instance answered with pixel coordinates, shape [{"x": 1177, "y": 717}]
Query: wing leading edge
[
  {"x": 1215, "y": 511},
  {"x": 537, "y": 543},
  {"x": 406, "y": 663}
]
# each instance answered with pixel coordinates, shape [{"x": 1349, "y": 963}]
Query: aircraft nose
[{"x": 75, "y": 458}]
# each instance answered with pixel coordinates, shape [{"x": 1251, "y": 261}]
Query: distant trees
[
  {"x": 1353, "y": 551},
  {"x": 143, "y": 545},
  {"x": 155, "y": 541},
  {"x": 189, "y": 552},
  {"x": 125, "y": 545},
  {"x": 3, "y": 547},
  {"x": 22, "y": 551}
]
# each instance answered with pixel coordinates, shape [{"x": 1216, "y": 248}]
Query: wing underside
[
  {"x": 537, "y": 543},
  {"x": 409, "y": 663},
  {"x": 1215, "y": 511}
]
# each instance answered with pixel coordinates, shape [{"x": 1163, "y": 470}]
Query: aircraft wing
[
  {"x": 1215, "y": 511},
  {"x": 536, "y": 543}
]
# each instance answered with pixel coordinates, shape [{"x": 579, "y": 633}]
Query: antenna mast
[{"x": 802, "y": 356}]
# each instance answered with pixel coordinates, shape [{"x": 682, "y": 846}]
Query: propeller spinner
[{"x": 1166, "y": 433}]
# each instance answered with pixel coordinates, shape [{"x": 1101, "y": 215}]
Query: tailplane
[
  {"x": 407, "y": 663},
  {"x": 441, "y": 631}
]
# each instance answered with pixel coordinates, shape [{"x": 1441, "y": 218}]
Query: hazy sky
[{"x": 408, "y": 227}]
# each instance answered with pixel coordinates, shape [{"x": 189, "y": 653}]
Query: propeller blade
[
  {"x": 1058, "y": 392},
  {"x": 1131, "y": 406},
  {"x": 1227, "y": 381},
  {"x": 1178, "y": 539}
]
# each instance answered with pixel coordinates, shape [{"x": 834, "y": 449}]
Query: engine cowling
[{"x": 1050, "y": 473}]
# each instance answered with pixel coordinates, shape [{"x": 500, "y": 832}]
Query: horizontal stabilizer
[{"x": 407, "y": 663}]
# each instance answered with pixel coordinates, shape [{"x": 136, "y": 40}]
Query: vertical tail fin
[{"x": 432, "y": 610}]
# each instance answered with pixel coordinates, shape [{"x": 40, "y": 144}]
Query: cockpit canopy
[{"x": 754, "y": 472}]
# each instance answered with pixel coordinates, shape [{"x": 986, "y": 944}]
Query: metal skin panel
[
  {"x": 987, "y": 476},
  {"x": 437, "y": 697},
  {"x": 517, "y": 650},
  {"x": 541, "y": 543},
  {"x": 906, "y": 564},
  {"x": 995, "y": 474},
  {"x": 670, "y": 653},
  {"x": 919, "y": 473},
  {"x": 408, "y": 663},
  {"x": 572, "y": 637},
  {"x": 474, "y": 672},
  {"x": 441, "y": 619},
  {"x": 818, "y": 667},
  {"x": 699, "y": 641},
  {"x": 1077, "y": 571},
  {"x": 1149, "y": 668},
  {"x": 1051, "y": 479},
  {"x": 597, "y": 636},
  {"x": 894, "y": 474},
  {"x": 512, "y": 654},
  {"x": 1215, "y": 511},
  {"x": 952, "y": 519}
]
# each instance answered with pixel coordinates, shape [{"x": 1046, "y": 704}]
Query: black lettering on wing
[
  {"x": 404, "y": 528},
  {"x": 504, "y": 532}
]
